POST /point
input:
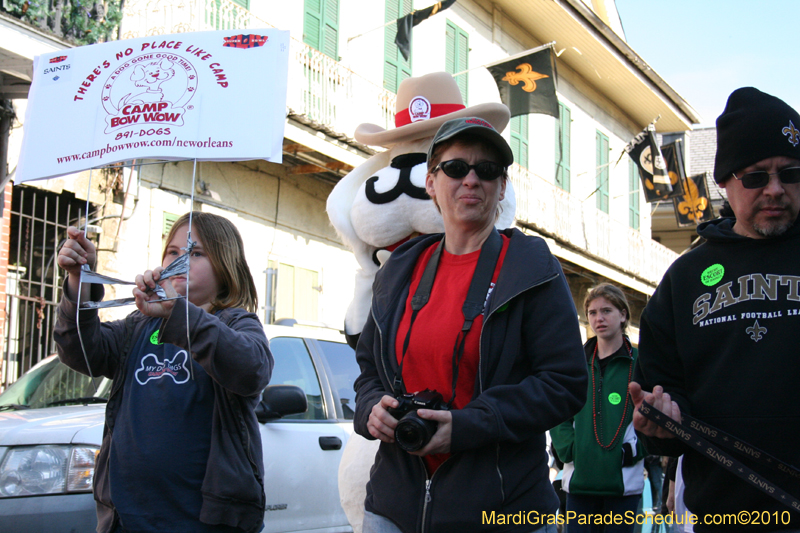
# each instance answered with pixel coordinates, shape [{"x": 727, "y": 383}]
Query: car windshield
[{"x": 51, "y": 383}]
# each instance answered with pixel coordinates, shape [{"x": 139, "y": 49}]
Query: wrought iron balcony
[
  {"x": 332, "y": 98},
  {"x": 322, "y": 92},
  {"x": 562, "y": 216}
]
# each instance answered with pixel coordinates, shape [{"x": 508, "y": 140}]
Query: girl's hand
[
  {"x": 76, "y": 252},
  {"x": 147, "y": 301}
]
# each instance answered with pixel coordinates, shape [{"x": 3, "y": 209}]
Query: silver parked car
[{"x": 51, "y": 425}]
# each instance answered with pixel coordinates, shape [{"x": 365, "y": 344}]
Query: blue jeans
[
  {"x": 374, "y": 523},
  {"x": 603, "y": 505}
]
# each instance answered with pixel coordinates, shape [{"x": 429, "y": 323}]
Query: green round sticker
[
  {"x": 712, "y": 275},
  {"x": 614, "y": 398},
  {"x": 154, "y": 338}
]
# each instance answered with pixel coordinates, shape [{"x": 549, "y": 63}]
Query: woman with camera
[
  {"x": 473, "y": 343},
  {"x": 603, "y": 459}
]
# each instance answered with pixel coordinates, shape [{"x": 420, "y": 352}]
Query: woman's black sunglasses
[
  {"x": 760, "y": 178},
  {"x": 457, "y": 169}
]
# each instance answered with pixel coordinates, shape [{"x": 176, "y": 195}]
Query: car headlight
[{"x": 51, "y": 469}]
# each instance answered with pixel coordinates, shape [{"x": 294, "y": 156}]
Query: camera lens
[{"x": 413, "y": 433}]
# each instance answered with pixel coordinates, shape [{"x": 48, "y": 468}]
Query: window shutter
[
  {"x": 633, "y": 194},
  {"x": 312, "y": 23},
  {"x": 563, "y": 126},
  {"x": 602, "y": 172},
  {"x": 330, "y": 45},
  {"x": 457, "y": 56},
  {"x": 321, "y": 26}
]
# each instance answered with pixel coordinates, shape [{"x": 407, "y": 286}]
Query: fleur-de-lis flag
[
  {"x": 527, "y": 84},
  {"x": 644, "y": 151},
  {"x": 673, "y": 158},
  {"x": 694, "y": 206}
]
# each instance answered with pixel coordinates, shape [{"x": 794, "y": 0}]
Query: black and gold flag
[
  {"x": 404, "y": 24},
  {"x": 694, "y": 206},
  {"x": 527, "y": 84},
  {"x": 676, "y": 169},
  {"x": 644, "y": 151}
]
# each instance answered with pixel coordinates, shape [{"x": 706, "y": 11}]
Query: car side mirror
[{"x": 278, "y": 401}]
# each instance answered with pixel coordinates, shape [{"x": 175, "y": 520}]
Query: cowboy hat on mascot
[{"x": 380, "y": 205}]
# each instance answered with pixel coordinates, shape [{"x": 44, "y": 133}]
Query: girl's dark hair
[{"x": 225, "y": 249}]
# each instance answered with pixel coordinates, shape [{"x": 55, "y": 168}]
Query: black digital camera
[{"x": 412, "y": 432}]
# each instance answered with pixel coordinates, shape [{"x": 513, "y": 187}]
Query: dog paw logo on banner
[
  {"x": 151, "y": 368},
  {"x": 150, "y": 90}
]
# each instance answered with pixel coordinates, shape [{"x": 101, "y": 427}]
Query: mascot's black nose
[{"x": 404, "y": 163}]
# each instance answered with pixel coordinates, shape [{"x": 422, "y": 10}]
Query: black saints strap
[
  {"x": 473, "y": 305},
  {"x": 698, "y": 435}
]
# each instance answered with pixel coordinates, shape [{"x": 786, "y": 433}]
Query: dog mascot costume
[{"x": 380, "y": 205}]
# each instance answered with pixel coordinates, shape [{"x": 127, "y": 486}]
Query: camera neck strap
[
  {"x": 712, "y": 443},
  {"x": 473, "y": 305}
]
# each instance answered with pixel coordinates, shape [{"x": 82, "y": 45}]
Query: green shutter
[
  {"x": 602, "y": 171},
  {"x": 519, "y": 140},
  {"x": 633, "y": 194},
  {"x": 321, "y": 26},
  {"x": 169, "y": 220},
  {"x": 297, "y": 292},
  {"x": 457, "y": 57},
  {"x": 395, "y": 67},
  {"x": 563, "y": 127}
]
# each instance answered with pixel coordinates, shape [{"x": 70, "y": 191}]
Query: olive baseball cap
[{"x": 473, "y": 126}]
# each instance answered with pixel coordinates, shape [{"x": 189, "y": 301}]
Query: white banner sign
[{"x": 213, "y": 96}]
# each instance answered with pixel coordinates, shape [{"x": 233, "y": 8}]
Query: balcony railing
[
  {"x": 561, "y": 215},
  {"x": 321, "y": 90},
  {"x": 335, "y": 99}
]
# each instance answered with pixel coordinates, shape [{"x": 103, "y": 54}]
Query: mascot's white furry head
[{"x": 382, "y": 203}]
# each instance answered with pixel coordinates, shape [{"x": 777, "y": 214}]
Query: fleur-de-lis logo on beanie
[{"x": 792, "y": 132}]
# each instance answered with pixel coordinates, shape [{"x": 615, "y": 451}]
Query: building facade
[{"x": 574, "y": 184}]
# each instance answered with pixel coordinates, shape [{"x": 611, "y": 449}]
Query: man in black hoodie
[{"x": 718, "y": 337}]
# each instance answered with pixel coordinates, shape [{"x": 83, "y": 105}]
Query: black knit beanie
[{"x": 754, "y": 126}]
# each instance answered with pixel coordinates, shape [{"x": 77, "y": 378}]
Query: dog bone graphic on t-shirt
[{"x": 151, "y": 368}]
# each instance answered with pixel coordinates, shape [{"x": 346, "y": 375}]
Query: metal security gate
[{"x": 39, "y": 220}]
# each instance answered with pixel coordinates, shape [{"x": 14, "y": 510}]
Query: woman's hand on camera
[
  {"x": 381, "y": 424},
  {"x": 440, "y": 442},
  {"x": 148, "y": 302}
]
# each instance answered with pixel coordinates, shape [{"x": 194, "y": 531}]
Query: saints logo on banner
[
  {"x": 644, "y": 151},
  {"x": 694, "y": 206},
  {"x": 673, "y": 157},
  {"x": 527, "y": 84}
]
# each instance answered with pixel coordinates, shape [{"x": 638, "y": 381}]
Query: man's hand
[
  {"x": 148, "y": 301},
  {"x": 440, "y": 442},
  {"x": 381, "y": 424},
  {"x": 661, "y": 401}
]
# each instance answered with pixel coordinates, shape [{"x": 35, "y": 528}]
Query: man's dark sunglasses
[
  {"x": 760, "y": 178},
  {"x": 457, "y": 169}
]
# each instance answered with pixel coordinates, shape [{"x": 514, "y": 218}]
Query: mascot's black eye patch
[
  {"x": 404, "y": 163},
  {"x": 409, "y": 160}
]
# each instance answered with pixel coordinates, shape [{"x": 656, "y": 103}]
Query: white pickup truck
[{"x": 51, "y": 425}]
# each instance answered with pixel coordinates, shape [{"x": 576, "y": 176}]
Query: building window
[
  {"x": 563, "y": 126},
  {"x": 321, "y": 26},
  {"x": 457, "y": 56},
  {"x": 297, "y": 292},
  {"x": 395, "y": 66},
  {"x": 633, "y": 195},
  {"x": 602, "y": 172},
  {"x": 519, "y": 140}
]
